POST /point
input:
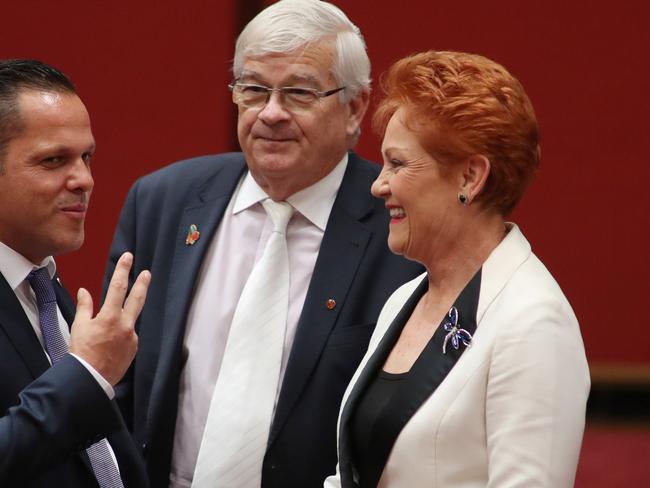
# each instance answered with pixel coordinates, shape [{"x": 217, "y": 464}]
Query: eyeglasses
[{"x": 249, "y": 95}]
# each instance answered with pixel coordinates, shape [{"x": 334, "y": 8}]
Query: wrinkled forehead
[{"x": 312, "y": 64}]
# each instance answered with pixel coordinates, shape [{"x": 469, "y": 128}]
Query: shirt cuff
[{"x": 106, "y": 386}]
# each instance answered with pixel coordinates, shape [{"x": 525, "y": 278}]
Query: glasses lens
[
  {"x": 299, "y": 98},
  {"x": 257, "y": 96},
  {"x": 250, "y": 95}
]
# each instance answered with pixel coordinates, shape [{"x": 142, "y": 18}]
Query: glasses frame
[{"x": 282, "y": 91}]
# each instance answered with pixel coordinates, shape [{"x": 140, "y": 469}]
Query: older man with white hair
[{"x": 270, "y": 267}]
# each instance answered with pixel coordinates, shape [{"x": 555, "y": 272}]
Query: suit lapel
[
  {"x": 426, "y": 374},
  {"x": 511, "y": 253},
  {"x": 21, "y": 333},
  {"x": 67, "y": 307},
  {"x": 369, "y": 371},
  {"x": 341, "y": 251},
  {"x": 206, "y": 213},
  {"x": 19, "y": 330},
  {"x": 64, "y": 301}
]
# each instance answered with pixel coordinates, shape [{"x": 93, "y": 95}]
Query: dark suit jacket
[
  {"x": 51, "y": 414},
  {"x": 354, "y": 267}
]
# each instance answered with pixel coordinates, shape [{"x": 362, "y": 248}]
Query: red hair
[{"x": 463, "y": 104}]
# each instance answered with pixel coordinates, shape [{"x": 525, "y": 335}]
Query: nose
[
  {"x": 80, "y": 179},
  {"x": 273, "y": 112},
  {"x": 380, "y": 187}
]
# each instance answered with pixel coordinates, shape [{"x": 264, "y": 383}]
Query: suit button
[{"x": 144, "y": 448}]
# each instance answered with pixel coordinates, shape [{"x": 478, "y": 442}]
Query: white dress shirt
[{"x": 239, "y": 242}]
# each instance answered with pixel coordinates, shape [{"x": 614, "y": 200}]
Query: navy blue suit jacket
[
  {"x": 354, "y": 267},
  {"x": 50, "y": 414}
]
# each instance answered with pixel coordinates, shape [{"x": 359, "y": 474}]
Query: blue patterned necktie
[{"x": 100, "y": 457}]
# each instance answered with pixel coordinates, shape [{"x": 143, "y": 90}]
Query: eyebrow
[
  {"x": 57, "y": 147},
  {"x": 293, "y": 78},
  {"x": 390, "y": 150}
]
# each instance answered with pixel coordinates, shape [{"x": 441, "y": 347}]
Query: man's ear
[
  {"x": 476, "y": 170},
  {"x": 357, "y": 109}
]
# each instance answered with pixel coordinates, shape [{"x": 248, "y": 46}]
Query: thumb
[{"x": 84, "y": 305}]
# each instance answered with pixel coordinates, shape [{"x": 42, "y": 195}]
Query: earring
[{"x": 462, "y": 198}]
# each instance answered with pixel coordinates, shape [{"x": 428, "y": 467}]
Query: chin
[
  {"x": 396, "y": 248},
  {"x": 70, "y": 244},
  {"x": 274, "y": 163}
]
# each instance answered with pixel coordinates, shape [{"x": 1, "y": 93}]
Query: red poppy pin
[{"x": 193, "y": 235}]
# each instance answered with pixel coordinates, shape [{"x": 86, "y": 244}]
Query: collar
[
  {"x": 501, "y": 264},
  {"x": 15, "y": 267},
  {"x": 314, "y": 202}
]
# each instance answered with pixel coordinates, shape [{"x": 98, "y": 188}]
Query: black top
[
  {"x": 366, "y": 419},
  {"x": 364, "y": 450}
]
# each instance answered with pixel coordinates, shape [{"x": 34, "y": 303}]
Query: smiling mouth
[
  {"x": 396, "y": 213},
  {"x": 274, "y": 139},
  {"x": 272, "y": 136},
  {"x": 75, "y": 208}
]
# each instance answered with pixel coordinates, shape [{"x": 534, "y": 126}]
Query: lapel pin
[
  {"x": 193, "y": 235},
  {"x": 330, "y": 304},
  {"x": 457, "y": 335}
]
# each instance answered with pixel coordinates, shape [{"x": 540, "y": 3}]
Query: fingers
[
  {"x": 84, "y": 305},
  {"x": 119, "y": 282},
  {"x": 117, "y": 288},
  {"x": 137, "y": 296}
]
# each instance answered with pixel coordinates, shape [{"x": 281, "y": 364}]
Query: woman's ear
[{"x": 476, "y": 170}]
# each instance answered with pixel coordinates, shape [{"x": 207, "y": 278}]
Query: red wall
[
  {"x": 154, "y": 75},
  {"x": 154, "y": 78}
]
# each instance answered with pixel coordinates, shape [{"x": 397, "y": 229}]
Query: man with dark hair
[
  {"x": 59, "y": 426},
  {"x": 16, "y": 75}
]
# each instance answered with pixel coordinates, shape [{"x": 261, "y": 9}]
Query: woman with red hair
[{"x": 476, "y": 373}]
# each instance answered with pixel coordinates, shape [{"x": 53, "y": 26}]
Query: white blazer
[{"x": 511, "y": 411}]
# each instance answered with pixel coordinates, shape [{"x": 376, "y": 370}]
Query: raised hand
[{"x": 108, "y": 342}]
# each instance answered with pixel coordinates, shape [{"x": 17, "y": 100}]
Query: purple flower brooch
[{"x": 455, "y": 333}]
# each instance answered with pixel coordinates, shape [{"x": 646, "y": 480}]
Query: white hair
[{"x": 289, "y": 25}]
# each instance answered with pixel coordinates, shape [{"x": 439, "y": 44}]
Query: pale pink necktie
[{"x": 241, "y": 410}]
